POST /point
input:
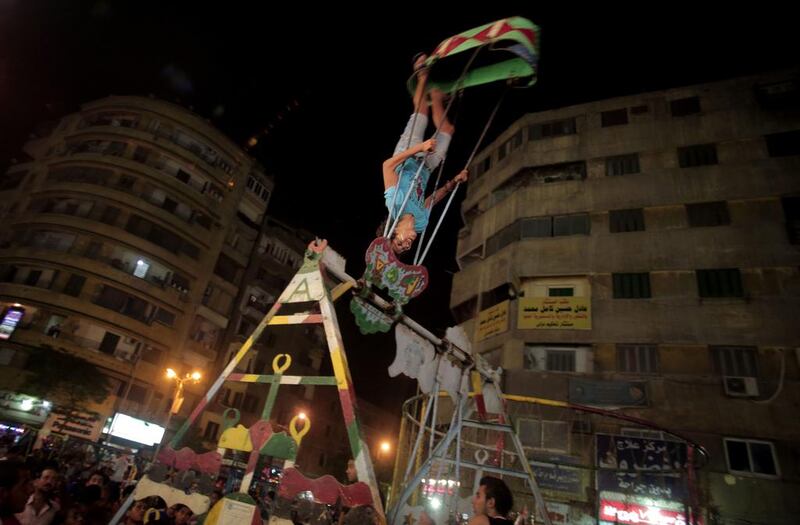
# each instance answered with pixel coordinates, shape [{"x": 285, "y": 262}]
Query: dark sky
[{"x": 342, "y": 72}]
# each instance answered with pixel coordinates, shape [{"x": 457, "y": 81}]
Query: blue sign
[{"x": 558, "y": 478}]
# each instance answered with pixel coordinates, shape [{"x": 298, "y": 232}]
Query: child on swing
[{"x": 400, "y": 170}]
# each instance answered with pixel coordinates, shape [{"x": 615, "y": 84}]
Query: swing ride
[{"x": 443, "y": 429}]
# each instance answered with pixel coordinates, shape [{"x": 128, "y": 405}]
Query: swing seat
[
  {"x": 385, "y": 271},
  {"x": 514, "y": 46}
]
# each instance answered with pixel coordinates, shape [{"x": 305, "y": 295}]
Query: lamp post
[{"x": 194, "y": 377}]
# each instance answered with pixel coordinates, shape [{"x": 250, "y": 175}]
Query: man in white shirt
[{"x": 41, "y": 507}]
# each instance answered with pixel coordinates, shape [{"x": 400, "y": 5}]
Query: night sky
[{"x": 330, "y": 85}]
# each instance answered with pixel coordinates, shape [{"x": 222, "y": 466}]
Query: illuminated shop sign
[{"x": 632, "y": 514}]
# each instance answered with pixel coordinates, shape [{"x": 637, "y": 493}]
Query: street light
[
  {"x": 194, "y": 377},
  {"x": 385, "y": 447},
  {"x": 301, "y": 415}
]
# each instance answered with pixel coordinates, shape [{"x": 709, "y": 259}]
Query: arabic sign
[
  {"x": 563, "y": 480},
  {"x": 555, "y": 313},
  {"x": 23, "y": 408},
  {"x": 629, "y": 513},
  {"x": 607, "y": 393},
  {"x": 634, "y": 454},
  {"x": 493, "y": 321},
  {"x": 670, "y": 487},
  {"x": 82, "y": 424}
]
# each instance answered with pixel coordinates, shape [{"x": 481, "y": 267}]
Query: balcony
[{"x": 75, "y": 345}]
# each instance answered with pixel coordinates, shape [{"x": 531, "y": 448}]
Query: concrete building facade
[{"x": 642, "y": 254}]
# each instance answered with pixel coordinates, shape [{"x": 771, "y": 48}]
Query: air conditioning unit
[{"x": 740, "y": 386}]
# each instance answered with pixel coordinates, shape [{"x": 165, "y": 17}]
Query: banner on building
[
  {"x": 607, "y": 393},
  {"x": 493, "y": 321},
  {"x": 639, "y": 455},
  {"x": 670, "y": 487},
  {"x": 561, "y": 481},
  {"x": 23, "y": 408},
  {"x": 81, "y": 424},
  {"x": 555, "y": 313}
]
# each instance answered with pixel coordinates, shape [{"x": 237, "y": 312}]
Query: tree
[{"x": 68, "y": 381}]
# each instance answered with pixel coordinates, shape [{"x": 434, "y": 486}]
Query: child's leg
[
  {"x": 419, "y": 119},
  {"x": 445, "y": 128}
]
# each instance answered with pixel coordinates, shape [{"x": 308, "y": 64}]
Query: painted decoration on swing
[
  {"x": 384, "y": 270},
  {"x": 370, "y": 319},
  {"x": 325, "y": 489}
]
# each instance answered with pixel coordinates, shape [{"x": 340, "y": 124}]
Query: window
[
  {"x": 549, "y": 435},
  {"x": 778, "y": 95},
  {"x": 708, "y": 214},
  {"x": 110, "y": 215},
  {"x": 532, "y": 227},
  {"x": 226, "y": 268},
  {"x": 502, "y": 151},
  {"x": 510, "y": 145},
  {"x": 748, "y": 456},
  {"x": 640, "y": 359},
  {"x": 571, "y": 224},
  {"x": 57, "y": 241},
  {"x": 151, "y": 355},
  {"x": 560, "y": 361},
  {"x": 726, "y": 282},
  {"x": 137, "y": 393},
  {"x": 33, "y": 277},
  {"x": 123, "y": 303},
  {"x": 495, "y": 296},
  {"x": 626, "y": 220},
  {"x": 250, "y": 403},
  {"x": 698, "y": 155},
  {"x": 622, "y": 164},
  {"x": 93, "y": 249},
  {"x": 557, "y": 358},
  {"x": 685, "y": 106},
  {"x": 210, "y": 433},
  {"x": 223, "y": 396},
  {"x": 237, "y": 399},
  {"x": 508, "y": 235},
  {"x": 74, "y": 285},
  {"x": 190, "y": 249},
  {"x": 169, "y": 205},
  {"x": 552, "y": 129},
  {"x": 141, "y": 154},
  {"x": 465, "y": 311},
  {"x": 483, "y": 166},
  {"x": 631, "y": 285},
  {"x": 616, "y": 117},
  {"x": 737, "y": 361},
  {"x": 165, "y": 317},
  {"x": 791, "y": 212},
  {"x": 140, "y": 270},
  {"x": 109, "y": 343},
  {"x": 537, "y": 227},
  {"x": 183, "y": 176},
  {"x": 553, "y": 291},
  {"x": 783, "y": 144}
]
